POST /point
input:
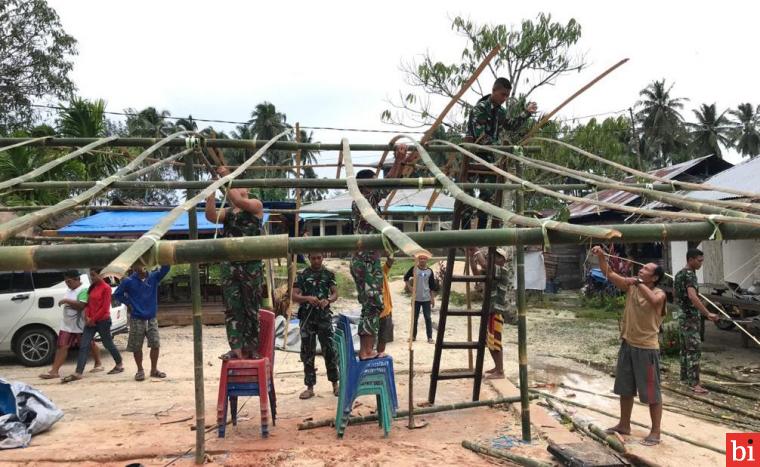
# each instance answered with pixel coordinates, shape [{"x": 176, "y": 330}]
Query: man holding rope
[
  {"x": 638, "y": 365},
  {"x": 686, "y": 289}
]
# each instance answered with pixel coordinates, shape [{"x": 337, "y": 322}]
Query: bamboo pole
[
  {"x": 379, "y": 168},
  {"x": 149, "y": 240},
  {"x": 603, "y": 182},
  {"x": 43, "y": 238},
  {"x": 138, "y": 173},
  {"x": 401, "y": 240},
  {"x": 35, "y": 257},
  {"x": 522, "y": 323},
  {"x": 195, "y": 288},
  {"x": 468, "y": 305},
  {"x": 227, "y": 143},
  {"x": 633, "y": 422},
  {"x": 292, "y": 257},
  {"x": 577, "y": 93},
  {"x": 613, "y": 206},
  {"x": 749, "y": 414},
  {"x": 504, "y": 455},
  {"x": 439, "y": 120},
  {"x": 419, "y": 411},
  {"x": 4, "y": 185},
  {"x": 509, "y": 216},
  {"x": 24, "y": 143},
  {"x": 410, "y": 422},
  {"x": 19, "y": 224},
  {"x": 732, "y": 392},
  {"x": 648, "y": 176}
]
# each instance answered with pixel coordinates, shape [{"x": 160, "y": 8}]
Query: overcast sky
[{"x": 335, "y": 63}]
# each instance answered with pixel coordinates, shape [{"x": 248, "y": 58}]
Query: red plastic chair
[{"x": 246, "y": 377}]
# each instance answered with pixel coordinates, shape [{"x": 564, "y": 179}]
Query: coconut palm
[
  {"x": 711, "y": 131},
  {"x": 149, "y": 123},
  {"x": 660, "y": 121},
  {"x": 82, "y": 118},
  {"x": 746, "y": 138}
]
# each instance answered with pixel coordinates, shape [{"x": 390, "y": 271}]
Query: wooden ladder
[{"x": 449, "y": 278}]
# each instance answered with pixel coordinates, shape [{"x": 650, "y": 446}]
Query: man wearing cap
[
  {"x": 365, "y": 264},
  {"x": 502, "y": 304}
]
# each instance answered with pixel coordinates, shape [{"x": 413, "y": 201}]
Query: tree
[
  {"x": 661, "y": 123},
  {"x": 149, "y": 123},
  {"x": 746, "y": 138},
  {"x": 533, "y": 54},
  {"x": 35, "y": 60},
  {"x": 710, "y": 132}
]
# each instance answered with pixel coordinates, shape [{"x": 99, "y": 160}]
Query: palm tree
[
  {"x": 660, "y": 121},
  {"x": 710, "y": 132},
  {"x": 86, "y": 119},
  {"x": 746, "y": 138},
  {"x": 149, "y": 123}
]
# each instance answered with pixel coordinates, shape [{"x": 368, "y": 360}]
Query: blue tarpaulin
[{"x": 133, "y": 222}]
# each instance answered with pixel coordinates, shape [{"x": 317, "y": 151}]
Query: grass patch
[
  {"x": 596, "y": 314},
  {"x": 400, "y": 266},
  {"x": 345, "y": 284}
]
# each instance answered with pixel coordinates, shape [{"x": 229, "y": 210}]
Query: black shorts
[{"x": 385, "y": 333}]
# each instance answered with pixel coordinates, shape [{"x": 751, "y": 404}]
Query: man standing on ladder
[
  {"x": 491, "y": 123},
  {"x": 686, "y": 289}
]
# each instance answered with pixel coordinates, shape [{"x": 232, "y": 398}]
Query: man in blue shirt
[{"x": 140, "y": 292}]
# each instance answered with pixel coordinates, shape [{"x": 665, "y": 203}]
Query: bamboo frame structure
[{"x": 118, "y": 267}]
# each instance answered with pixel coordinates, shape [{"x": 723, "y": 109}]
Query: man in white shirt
[{"x": 72, "y": 324}]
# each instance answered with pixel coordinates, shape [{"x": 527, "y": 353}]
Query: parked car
[{"x": 30, "y": 316}]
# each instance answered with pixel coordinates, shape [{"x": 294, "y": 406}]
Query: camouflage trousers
[
  {"x": 690, "y": 349},
  {"x": 242, "y": 285},
  {"x": 317, "y": 325},
  {"x": 368, "y": 277},
  {"x": 469, "y": 213}
]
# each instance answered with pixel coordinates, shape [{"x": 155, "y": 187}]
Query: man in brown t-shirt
[{"x": 638, "y": 365}]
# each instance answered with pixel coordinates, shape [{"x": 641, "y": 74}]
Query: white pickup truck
[{"x": 30, "y": 316}]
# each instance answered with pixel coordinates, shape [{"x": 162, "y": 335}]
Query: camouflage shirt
[
  {"x": 362, "y": 227},
  {"x": 490, "y": 124},
  {"x": 684, "y": 279},
  {"x": 316, "y": 284},
  {"x": 503, "y": 292},
  {"x": 240, "y": 224}
]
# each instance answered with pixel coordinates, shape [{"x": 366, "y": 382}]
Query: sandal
[
  {"x": 97, "y": 369},
  {"x": 157, "y": 374},
  {"x": 614, "y": 430},
  {"x": 140, "y": 376},
  {"x": 116, "y": 370},
  {"x": 49, "y": 376},
  {"x": 70, "y": 378},
  {"x": 649, "y": 441}
]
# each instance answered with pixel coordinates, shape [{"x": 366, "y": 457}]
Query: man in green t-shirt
[
  {"x": 72, "y": 324},
  {"x": 686, "y": 291}
]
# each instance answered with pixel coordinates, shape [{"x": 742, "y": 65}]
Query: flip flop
[
  {"x": 612, "y": 431},
  {"x": 494, "y": 376},
  {"x": 157, "y": 374},
  {"x": 97, "y": 369},
  {"x": 140, "y": 376},
  {"x": 49, "y": 376},
  {"x": 649, "y": 442},
  {"x": 116, "y": 370},
  {"x": 70, "y": 378}
]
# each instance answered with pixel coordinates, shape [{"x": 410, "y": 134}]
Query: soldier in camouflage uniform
[
  {"x": 315, "y": 289},
  {"x": 503, "y": 303},
  {"x": 366, "y": 268},
  {"x": 686, "y": 290},
  {"x": 242, "y": 281},
  {"x": 490, "y": 123}
]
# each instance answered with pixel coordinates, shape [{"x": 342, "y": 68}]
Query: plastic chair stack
[
  {"x": 246, "y": 377},
  {"x": 362, "y": 377}
]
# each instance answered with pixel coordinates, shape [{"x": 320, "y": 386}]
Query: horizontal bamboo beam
[
  {"x": 169, "y": 208},
  {"x": 230, "y": 143},
  {"x": 29, "y": 258},
  {"x": 424, "y": 182}
]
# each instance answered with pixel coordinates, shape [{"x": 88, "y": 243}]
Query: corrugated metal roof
[
  {"x": 578, "y": 209},
  {"x": 745, "y": 176},
  {"x": 407, "y": 200}
]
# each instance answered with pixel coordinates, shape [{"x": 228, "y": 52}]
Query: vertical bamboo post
[
  {"x": 195, "y": 290},
  {"x": 411, "y": 425},
  {"x": 293, "y": 259},
  {"x": 469, "y": 308},
  {"x": 522, "y": 330}
]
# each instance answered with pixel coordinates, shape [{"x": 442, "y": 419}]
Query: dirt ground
[{"x": 114, "y": 420}]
